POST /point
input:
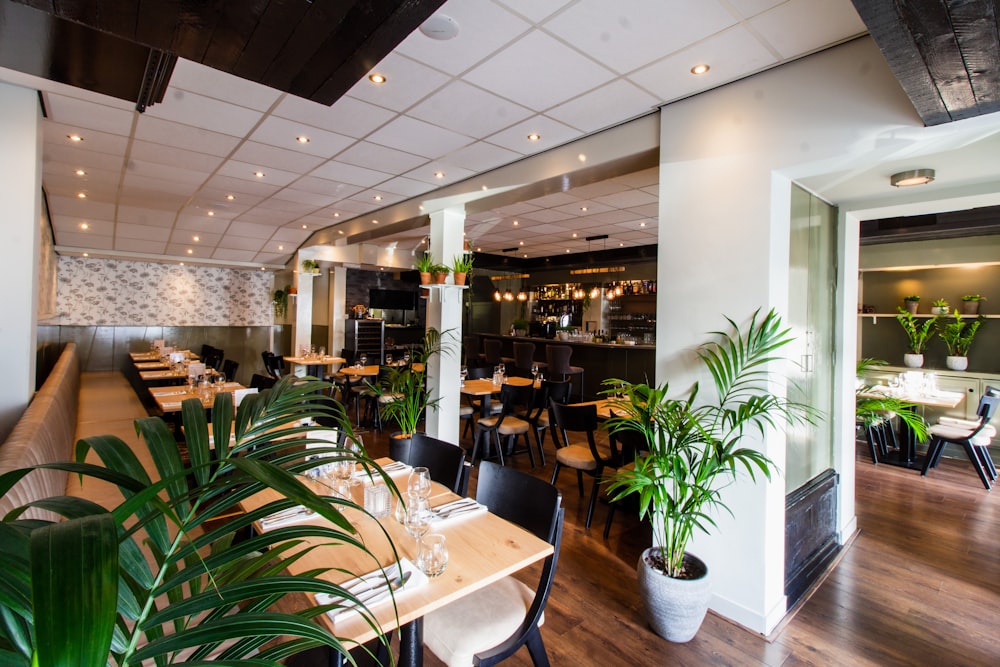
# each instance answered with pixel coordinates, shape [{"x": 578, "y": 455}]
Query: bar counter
[{"x": 599, "y": 360}]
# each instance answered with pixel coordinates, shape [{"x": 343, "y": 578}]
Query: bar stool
[
  {"x": 491, "y": 351},
  {"x": 557, "y": 357},
  {"x": 524, "y": 354}
]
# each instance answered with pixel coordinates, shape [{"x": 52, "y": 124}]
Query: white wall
[
  {"x": 20, "y": 192},
  {"x": 727, "y": 158}
]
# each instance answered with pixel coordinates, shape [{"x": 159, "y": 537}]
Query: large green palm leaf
[{"x": 182, "y": 586}]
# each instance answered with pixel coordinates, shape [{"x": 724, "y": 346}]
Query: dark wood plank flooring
[{"x": 918, "y": 586}]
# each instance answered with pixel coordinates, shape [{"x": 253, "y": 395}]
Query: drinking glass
[
  {"x": 406, "y": 358},
  {"x": 534, "y": 371},
  {"x": 464, "y": 373},
  {"x": 417, "y": 520},
  {"x": 388, "y": 360},
  {"x": 363, "y": 360},
  {"x": 419, "y": 482},
  {"x": 322, "y": 351},
  {"x": 342, "y": 469},
  {"x": 432, "y": 557}
]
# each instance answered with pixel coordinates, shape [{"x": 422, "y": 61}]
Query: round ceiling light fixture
[
  {"x": 905, "y": 179},
  {"x": 440, "y": 27}
]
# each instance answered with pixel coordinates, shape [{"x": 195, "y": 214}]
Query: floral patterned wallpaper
[{"x": 110, "y": 292}]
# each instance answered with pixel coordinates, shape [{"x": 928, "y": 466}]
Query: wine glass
[
  {"x": 406, "y": 358},
  {"x": 534, "y": 371},
  {"x": 417, "y": 520},
  {"x": 363, "y": 360},
  {"x": 388, "y": 360},
  {"x": 419, "y": 482},
  {"x": 464, "y": 373}
]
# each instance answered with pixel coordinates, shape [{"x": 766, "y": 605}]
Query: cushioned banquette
[{"x": 44, "y": 434}]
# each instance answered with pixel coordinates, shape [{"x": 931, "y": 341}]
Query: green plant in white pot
[
  {"x": 162, "y": 577},
  {"x": 957, "y": 337},
  {"x": 695, "y": 447},
  {"x": 917, "y": 336},
  {"x": 403, "y": 393}
]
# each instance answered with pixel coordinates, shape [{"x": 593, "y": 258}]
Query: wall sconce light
[{"x": 913, "y": 177}]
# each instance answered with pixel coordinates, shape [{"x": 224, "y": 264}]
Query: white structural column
[
  {"x": 20, "y": 191},
  {"x": 338, "y": 308},
  {"x": 444, "y": 313},
  {"x": 303, "y": 315}
]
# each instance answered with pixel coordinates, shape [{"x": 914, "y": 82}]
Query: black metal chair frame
[
  {"x": 979, "y": 456},
  {"x": 444, "y": 461},
  {"x": 511, "y": 396}
]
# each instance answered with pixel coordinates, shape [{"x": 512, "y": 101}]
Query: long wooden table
[
  {"x": 907, "y": 456},
  {"x": 484, "y": 389},
  {"x": 169, "y": 399},
  {"x": 482, "y": 548}
]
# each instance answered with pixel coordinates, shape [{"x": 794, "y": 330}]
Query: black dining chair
[
  {"x": 490, "y": 625},
  {"x": 229, "y": 368},
  {"x": 259, "y": 381},
  {"x": 524, "y": 353},
  {"x": 626, "y": 444},
  {"x": 492, "y": 350},
  {"x": 540, "y": 414},
  {"x": 506, "y": 425},
  {"x": 557, "y": 358},
  {"x": 974, "y": 437},
  {"x": 444, "y": 461},
  {"x": 581, "y": 419}
]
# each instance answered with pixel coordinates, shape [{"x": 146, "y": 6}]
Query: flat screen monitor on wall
[{"x": 392, "y": 299}]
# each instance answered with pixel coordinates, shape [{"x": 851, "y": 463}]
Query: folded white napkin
[
  {"x": 377, "y": 578},
  {"x": 287, "y": 517},
  {"x": 456, "y": 511},
  {"x": 394, "y": 469}
]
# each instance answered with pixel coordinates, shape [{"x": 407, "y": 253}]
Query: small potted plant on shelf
[
  {"x": 694, "y": 448},
  {"x": 280, "y": 302},
  {"x": 939, "y": 307},
  {"x": 520, "y": 327},
  {"x": 970, "y": 304},
  {"x": 911, "y": 303},
  {"x": 461, "y": 267},
  {"x": 917, "y": 335},
  {"x": 439, "y": 273},
  {"x": 424, "y": 266},
  {"x": 310, "y": 266},
  {"x": 957, "y": 337}
]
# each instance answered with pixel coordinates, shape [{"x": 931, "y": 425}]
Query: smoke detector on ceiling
[{"x": 440, "y": 27}]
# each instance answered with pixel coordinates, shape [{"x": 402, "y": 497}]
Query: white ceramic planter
[
  {"x": 913, "y": 360},
  {"x": 675, "y": 608},
  {"x": 939, "y": 310},
  {"x": 957, "y": 363}
]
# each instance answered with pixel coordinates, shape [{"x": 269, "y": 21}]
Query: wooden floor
[{"x": 919, "y": 586}]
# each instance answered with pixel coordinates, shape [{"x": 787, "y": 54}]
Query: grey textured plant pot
[{"x": 675, "y": 608}]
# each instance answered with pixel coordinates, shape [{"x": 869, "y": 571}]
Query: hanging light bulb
[
  {"x": 496, "y": 295},
  {"x": 595, "y": 292},
  {"x": 508, "y": 295},
  {"x": 521, "y": 296}
]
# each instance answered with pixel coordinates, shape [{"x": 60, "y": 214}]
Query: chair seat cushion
[
  {"x": 576, "y": 456},
  {"x": 510, "y": 425},
  {"x": 477, "y": 622},
  {"x": 956, "y": 433},
  {"x": 466, "y": 411},
  {"x": 988, "y": 430}
]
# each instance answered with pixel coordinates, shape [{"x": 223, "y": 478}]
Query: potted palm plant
[
  {"x": 461, "y": 267},
  {"x": 406, "y": 397},
  {"x": 957, "y": 337},
  {"x": 85, "y": 592},
  {"x": 917, "y": 335},
  {"x": 694, "y": 449},
  {"x": 872, "y": 406}
]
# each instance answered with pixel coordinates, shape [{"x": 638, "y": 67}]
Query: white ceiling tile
[
  {"x": 242, "y": 242},
  {"x": 575, "y": 208},
  {"x": 240, "y": 187},
  {"x": 428, "y": 173},
  {"x": 555, "y": 199},
  {"x": 415, "y": 136},
  {"x": 614, "y": 217},
  {"x": 348, "y": 116},
  {"x": 200, "y": 223},
  {"x": 205, "y": 112},
  {"x": 480, "y": 157},
  {"x": 636, "y": 32},
  {"x": 72, "y": 224},
  {"x": 136, "y": 180},
  {"x": 357, "y": 206},
  {"x": 165, "y": 172},
  {"x": 291, "y": 234},
  {"x": 407, "y": 82},
  {"x": 271, "y": 258},
  {"x": 231, "y": 255},
  {"x": 174, "y": 157},
  {"x": 285, "y": 206},
  {"x": 140, "y": 245},
  {"x": 627, "y": 199},
  {"x": 199, "y": 78},
  {"x": 469, "y": 110},
  {"x": 374, "y": 156},
  {"x": 250, "y": 230},
  {"x": 552, "y": 132},
  {"x": 82, "y": 208},
  {"x": 146, "y": 216},
  {"x": 350, "y": 174},
  {"x": 205, "y": 239},
  {"x": 215, "y": 199},
  {"x": 93, "y": 140},
  {"x": 272, "y": 157},
  {"x": 608, "y": 105},
  {"x": 273, "y": 176},
  {"x": 89, "y": 115},
  {"x": 153, "y": 198},
  {"x": 128, "y": 231},
  {"x": 539, "y": 72},
  {"x": 376, "y": 196},
  {"x": 405, "y": 187},
  {"x": 181, "y": 250},
  {"x": 323, "y": 186},
  {"x": 534, "y": 10},
  {"x": 483, "y": 27},
  {"x": 545, "y": 215},
  {"x": 81, "y": 240},
  {"x": 80, "y": 158},
  {"x": 169, "y": 133},
  {"x": 284, "y": 133},
  {"x": 311, "y": 198},
  {"x": 799, "y": 26},
  {"x": 730, "y": 54},
  {"x": 748, "y": 8}
]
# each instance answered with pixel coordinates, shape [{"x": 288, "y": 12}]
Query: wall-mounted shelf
[
  {"x": 442, "y": 290},
  {"x": 875, "y": 316}
]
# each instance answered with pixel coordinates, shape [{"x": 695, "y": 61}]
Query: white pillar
[
  {"x": 444, "y": 313},
  {"x": 302, "y": 315},
  {"x": 20, "y": 192},
  {"x": 338, "y": 307}
]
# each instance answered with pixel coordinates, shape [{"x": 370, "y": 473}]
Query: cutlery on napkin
[
  {"x": 290, "y": 515},
  {"x": 375, "y": 587},
  {"x": 459, "y": 507}
]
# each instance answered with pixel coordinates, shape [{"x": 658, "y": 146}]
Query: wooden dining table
[
  {"x": 313, "y": 365},
  {"x": 484, "y": 389},
  {"x": 483, "y": 548},
  {"x": 907, "y": 456},
  {"x": 169, "y": 399}
]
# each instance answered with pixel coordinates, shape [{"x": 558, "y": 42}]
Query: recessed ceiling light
[
  {"x": 340, "y": 231},
  {"x": 196, "y": 238},
  {"x": 526, "y": 255},
  {"x": 377, "y": 197},
  {"x": 574, "y": 234},
  {"x": 190, "y": 252},
  {"x": 485, "y": 188},
  {"x": 700, "y": 69},
  {"x": 81, "y": 195},
  {"x": 421, "y": 207},
  {"x": 302, "y": 139},
  {"x": 534, "y": 136},
  {"x": 621, "y": 245},
  {"x": 479, "y": 249},
  {"x": 374, "y": 222},
  {"x": 86, "y": 254},
  {"x": 583, "y": 208},
  {"x": 80, "y": 172},
  {"x": 377, "y": 78},
  {"x": 516, "y": 223},
  {"x": 567, "y": 249},
  {"x": 438, "y": 174},
  {"x": 305, "y": 227},
  {"x": 520, "y": 242},
  {"x": 211, "y": 213},
  {"x": 259, "y": 174},
  {"x": 582, "y": 157},
  {"x": 336, "y": 215},
  {"x": 182, "y": 263},
  {"x": 905, "y": 179},
  {"x": 74, "y": 137},
  {"x": 84, "y": 225},
  {"x": 230, "y": 197},
  {"x": 642, "y": 224},
  {"x": 281, "y": 247}
]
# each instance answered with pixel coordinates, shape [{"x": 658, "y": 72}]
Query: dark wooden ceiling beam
[{"x": 978, "y": 33}]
